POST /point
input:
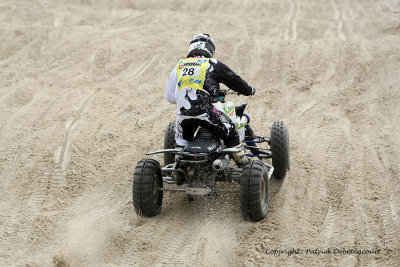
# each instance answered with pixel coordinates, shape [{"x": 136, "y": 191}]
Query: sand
[{"x": 82, "y": 101}]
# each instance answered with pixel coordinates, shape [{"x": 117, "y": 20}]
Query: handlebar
[
  {"x": 230, "y": 92},
  {"x": 223, "y": 93}
]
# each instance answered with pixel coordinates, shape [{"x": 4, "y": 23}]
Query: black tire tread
[
  {"x": 280, "y": 149},
  {"x": 169, "y": 143},
  {"x": 252, "y": 208},
  {"x": 142, "y": 190}
]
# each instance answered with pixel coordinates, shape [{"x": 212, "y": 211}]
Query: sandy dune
[{"x": 82, "y": 85}]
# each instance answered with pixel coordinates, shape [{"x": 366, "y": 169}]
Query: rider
[{"x": 193, "y": 84}]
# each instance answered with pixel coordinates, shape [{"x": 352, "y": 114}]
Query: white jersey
[
  {"x": 192, "y": 85},
  {"x": 184, "y": 82}
]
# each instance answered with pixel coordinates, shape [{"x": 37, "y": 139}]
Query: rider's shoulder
[
  {"x": 217, "y": 62},
  {"x": 219, "y": 65}
]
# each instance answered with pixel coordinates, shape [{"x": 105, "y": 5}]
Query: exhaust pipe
[{"x": 219, "y": 164}]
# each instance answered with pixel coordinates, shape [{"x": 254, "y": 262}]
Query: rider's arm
[
  {"x": 231, "y": 79},
  {"x": 171, "y": 87}
]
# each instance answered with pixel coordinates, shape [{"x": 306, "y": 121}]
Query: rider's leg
[
  {"x": 184, "y": 130},
  {"x": 221, "y": 125},
  {"x": 217, "y": 123},
  {"x": 239, "y": 157}
]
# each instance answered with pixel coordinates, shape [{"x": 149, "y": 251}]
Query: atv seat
[
  {"x": 204, "y": 142},
  {"x": 202, "y": 146}
]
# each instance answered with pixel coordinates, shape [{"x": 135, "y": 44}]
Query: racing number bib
[{"x": 191, "y": 73}]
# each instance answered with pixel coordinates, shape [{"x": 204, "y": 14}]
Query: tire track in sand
[
  {"x": 329, "y": 223},
  {"x": 50, "y": 182},
  {"x": 63, "y": 158},
  {"x": 394, "y": 210},
  {"x": 191, "y": 232},
  {"x": 142, "y": 68},
  {"x": 171, "y": 241},
  {"x": 390, "y": 218},
  {"x": 53, "y": 180},
  {"x": 338, "y": 17},
  {"x": 12, "y": 224},
  {"x": 176, "y": 247},
  {"x": 364, "y": 227},
  {"x": 291, "y": 30},
  {"x": 184, "y": 242},
  {"x": 388, "y": 211}
]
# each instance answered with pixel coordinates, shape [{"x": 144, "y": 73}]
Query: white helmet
[{"x": 202, "y": 44}]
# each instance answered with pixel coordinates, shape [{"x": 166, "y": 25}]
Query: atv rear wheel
[
  {"x": 147, "y": 179},
  {"x": 254, "y": 191},
  {"x": 169, "y": 143},
  {"x": 280, "y": 149}
]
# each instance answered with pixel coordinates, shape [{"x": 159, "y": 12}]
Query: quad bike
[{"x": 205, "y": 160}]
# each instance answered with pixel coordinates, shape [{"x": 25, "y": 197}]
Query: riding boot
[{"x": 239, "y": 157}]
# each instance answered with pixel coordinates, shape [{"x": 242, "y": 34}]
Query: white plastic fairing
[
  {"x": 241, "y": 127},
  {"x": 229, "y": 109}
]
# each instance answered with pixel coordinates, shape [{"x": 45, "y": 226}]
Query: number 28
[{"x": 189, "y": 71}]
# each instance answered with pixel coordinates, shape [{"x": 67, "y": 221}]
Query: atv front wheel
[
  {"x": 146, "y": 193},
  {"x": 280, "y": 149},
  {"x": 169, "y": 143},
  {"x": 254, "y": 191}
]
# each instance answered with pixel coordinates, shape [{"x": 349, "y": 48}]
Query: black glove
[{"x": 221, "y": 92}]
